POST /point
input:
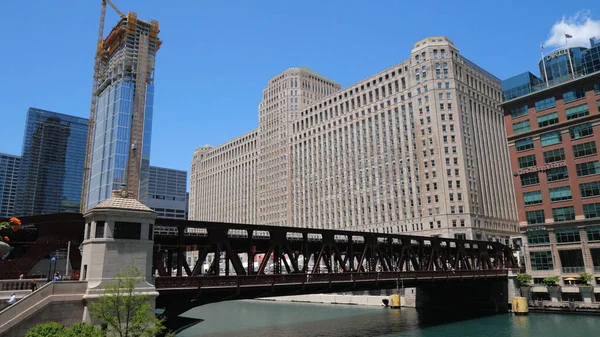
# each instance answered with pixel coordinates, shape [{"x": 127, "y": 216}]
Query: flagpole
[
  {"x": 569, "y": 54},
  {"x": 544, "y": 65}
]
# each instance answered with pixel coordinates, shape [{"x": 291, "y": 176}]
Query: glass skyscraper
[
  {"x": 167, "y": 192},
  {"x": 51, "y": 169},
  {"x": 9, "y": 174},
  {"x": 121, "y": 121}
]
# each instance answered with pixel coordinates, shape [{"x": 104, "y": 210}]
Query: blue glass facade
[
  {"x": 557, "y": 68},
  {"x": 9, "y": 175},
  {"x": 112, "y": 135},
  {"x": 51, "y": 170}
]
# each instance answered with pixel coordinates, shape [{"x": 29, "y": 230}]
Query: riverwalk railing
[{"x": 21, "y": 284}]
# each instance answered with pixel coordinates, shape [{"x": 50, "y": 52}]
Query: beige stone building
[{"x": 417, "y": 148}]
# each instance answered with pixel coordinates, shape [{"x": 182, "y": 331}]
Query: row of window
[
  {"x": 590, "y": 211},
  {"x": 549, "y": 119},
  {"x": 562, "y": 235},
  {"x": 550, "y": 102},
  {"x": 555, "y": 137}
]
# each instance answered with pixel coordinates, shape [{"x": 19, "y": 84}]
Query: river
[{"x": 266, "y": 319}]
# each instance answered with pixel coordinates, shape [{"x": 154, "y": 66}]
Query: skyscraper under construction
[{"x": 120, "y": 125}]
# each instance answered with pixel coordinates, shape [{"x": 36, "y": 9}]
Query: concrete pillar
[
  {"x": 555, "y": 294},
  {"x": 121, "y": 234},
  {"x": 587, "y": 293}
]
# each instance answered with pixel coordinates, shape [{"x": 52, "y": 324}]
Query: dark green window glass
[
  {"x": 566, "y": 235},
  {"x": 527, "y": 161},
  {"x": 591, "y": 211},
  {"x": 593, "y": 233},
  {"x": 524, "y": 144},
  {"x": 532, "y": 198},
  {"x": 578, "y": 111},
  {"x": 530, "y": 179},
  {"x": 563, "y": 213},
  {"x": 560, "y": 193},
  {"x": 572, "y": 95},
  {"x": 541, "y": 260},
  {"x": 590, "y": 189},
  {"x": 580, "y": 131},
  {"x": 521, "y": 127},
  {"x": 545, "y": 104},
  {"x": 551, "y": 138},
  {"x": 535, "y": 217},
  {"x": 549, "y": 119},
  {"x": 554, "y": 155},
  {"x": 518, "y": 112},
  {"x": 587, "y": 169},
  {"x": 585, "y": 149},
  {"x": 558, "y": 173},
  {"x": 538, "y": 237}
]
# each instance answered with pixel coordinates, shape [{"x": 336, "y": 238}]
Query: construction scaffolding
[{"x": 125, "y": 55}]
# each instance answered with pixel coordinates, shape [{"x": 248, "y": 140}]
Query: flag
[
  {"x": 567, "y": 36},
  {"x": 541, "y": 46}
]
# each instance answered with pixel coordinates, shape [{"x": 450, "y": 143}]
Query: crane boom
[{"x": 115, "y": 8}]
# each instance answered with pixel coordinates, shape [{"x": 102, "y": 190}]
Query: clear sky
[{"x": 217, "y": 56}]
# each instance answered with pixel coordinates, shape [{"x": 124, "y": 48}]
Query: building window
[
  {"x": 585, "y": 149},
  {"x": 567, "y": 235},
  {"x": 541, "y": 260},
  {"x": 551, "y": 138},
  {"x": 535, "y": 217},
  {"x": 548, "y": 119},
  {"x": 590, "y": 189},
  {"x": 560, "y": 193},
  {"x": 581, "y": 131},
  {"x": 518, "y": 112},
  {"x": 554, "y": 155},
  {"x": 538, "y": 237},
  {"x": 532, "y": 198},
  {"x": 521, "y": 127},
  {"x": 556, "y": 174},
  {"x": 524, "y": 144},
  {"x": 572, "y": 95},
  {"x": 527, "y": 161},
  {"x": 545, "y": 104},
  {"x": 597, "y": 88},
  {"x": 99, "y": 230},
  {"x": 591, "y": 210},
  {"x": 127, "y": 230},
  {"x": 578, "y": 111},
  {"x": 587, "y": 169},
  {"x": 563, "y": 213},
  {"x": 528, "y": 179},
  {"x": 593, "y": 233}
]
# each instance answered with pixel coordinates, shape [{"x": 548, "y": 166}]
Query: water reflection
[{"x": 258, "y": 318}]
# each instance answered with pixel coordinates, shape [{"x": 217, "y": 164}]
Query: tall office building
[
  {"x": 417, "y": 148},
  {"x": 553, "y": 128},
  {"x": 121, "y": 118},
  {"x": 167, "y": 192},
  {"x": 9, "y": 175},
  {"x": 51, "y": 169}
]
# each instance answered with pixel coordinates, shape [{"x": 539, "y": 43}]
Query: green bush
[
  {"x": 49, "y": 329},
  {"x": 585, "y": 278},
  {"x": 524, "y": 279},
  {"x": 551, "y": 280},
  {"x": 83, "y": 330}
]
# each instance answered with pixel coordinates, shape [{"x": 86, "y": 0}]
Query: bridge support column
[{"x": 120, "y": 236}]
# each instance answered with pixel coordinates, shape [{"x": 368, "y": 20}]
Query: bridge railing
[{"x": 282, "y": 279}]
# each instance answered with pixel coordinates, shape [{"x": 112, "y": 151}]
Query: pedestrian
[
  {"x": 21, "y": 277},
  {"x": 33, "y": 285},
  {"x": 56, "y": 277},
  {"x": 12, "y": 299}
]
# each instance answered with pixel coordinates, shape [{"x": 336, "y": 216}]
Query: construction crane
[{"x": 92, "y": 119}]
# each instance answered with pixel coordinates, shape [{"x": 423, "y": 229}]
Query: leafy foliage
[
  {"x": 49, "y": 329},
  {"x": 551, "y": 280},
  {"x": 585, "y": 278},
  {"x": 9, "y": 227},
  {"x": 83, "y": 330},
  {"x": 524, "y": 279},
  {"x": 125, "y": 312}
]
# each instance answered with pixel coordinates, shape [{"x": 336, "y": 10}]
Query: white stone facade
[{"x": 418, "y": 148}]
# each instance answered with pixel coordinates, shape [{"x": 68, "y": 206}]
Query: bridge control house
[{"x": 553, "y": 132}]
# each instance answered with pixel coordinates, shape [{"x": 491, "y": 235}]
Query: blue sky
[{"x": 217, "y": 56}]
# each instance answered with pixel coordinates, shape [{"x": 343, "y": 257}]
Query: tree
[
  {"x": 125, "y": 313},
  {"x": 585, "y": 278},
  {"x": 83, "y": 330},
  {"x": 551, "y": 280},
  {"x": 524, "y": 279},
  {"x": 49, "y": 329}
]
